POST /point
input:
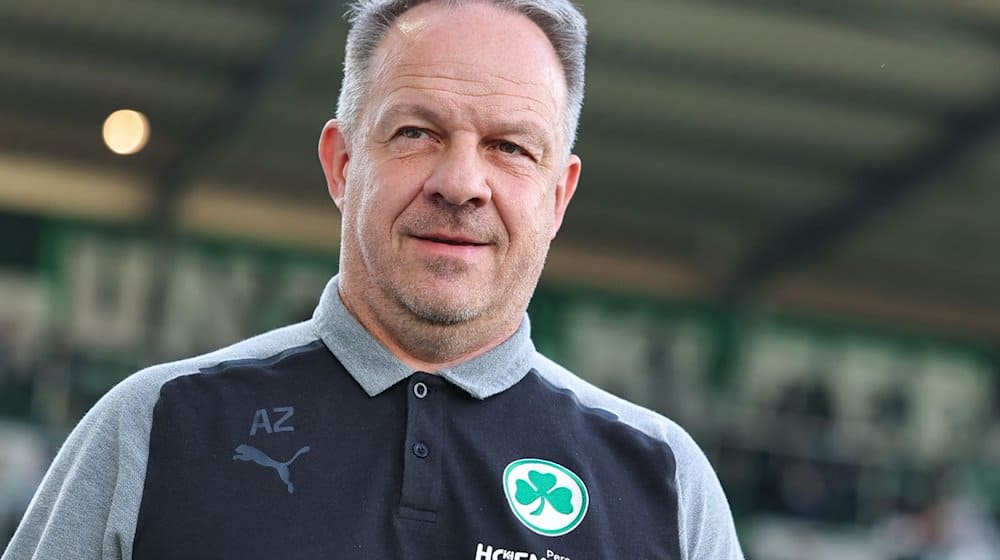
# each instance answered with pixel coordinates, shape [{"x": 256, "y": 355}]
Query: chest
[{"x": 308, "y": 466}]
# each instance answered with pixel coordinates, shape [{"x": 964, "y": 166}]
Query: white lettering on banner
[
  {"x": 212, "y": 299},
  {"x": 109, "y": 293},
  {"x": 206, "y": 301},
  {"x": 217, "y": 301}
]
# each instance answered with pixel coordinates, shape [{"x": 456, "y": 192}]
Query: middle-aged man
[{"x": 411, "y": 417}]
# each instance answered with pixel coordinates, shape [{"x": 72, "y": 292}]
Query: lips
[{"x": 450, "y": 240}]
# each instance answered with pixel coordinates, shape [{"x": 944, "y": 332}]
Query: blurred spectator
[{"x": 950, "y": 525}]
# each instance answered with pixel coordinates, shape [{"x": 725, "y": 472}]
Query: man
[{"x": 412, "y": 416}]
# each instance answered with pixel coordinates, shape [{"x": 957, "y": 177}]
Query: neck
[{"x": 419, "y": 344}]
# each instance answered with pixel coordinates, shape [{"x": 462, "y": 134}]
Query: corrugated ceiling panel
[
  {"x": 649, "y": 171},
  {"x": 75, "y": 72},
  {"x": 661, "y": 101},
  {"x": 195, "y": 26},
  {"x": 811, "y": 47}
]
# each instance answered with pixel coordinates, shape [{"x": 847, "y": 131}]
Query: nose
[{"x": 459, "y": 178}]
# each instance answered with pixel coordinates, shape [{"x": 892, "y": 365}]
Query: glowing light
[{"x": 126, "y": 131}]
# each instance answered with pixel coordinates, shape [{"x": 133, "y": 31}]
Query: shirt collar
[{"x": 376, "y": 369}]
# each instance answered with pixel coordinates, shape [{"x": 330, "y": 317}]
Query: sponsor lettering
[{"x": 487, "y": 552}]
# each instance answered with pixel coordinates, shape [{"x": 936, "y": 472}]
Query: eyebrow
[
  {"x": 522, "y": 128},
  {"x": 408, "y": 110}
]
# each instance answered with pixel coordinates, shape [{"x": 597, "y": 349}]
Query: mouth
[{"x": 451, "y": 240}]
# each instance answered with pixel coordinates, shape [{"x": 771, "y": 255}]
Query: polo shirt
[{"x": 314, "y": 441}]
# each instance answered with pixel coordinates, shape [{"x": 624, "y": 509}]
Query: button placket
[{"x": 421, "y": 483}]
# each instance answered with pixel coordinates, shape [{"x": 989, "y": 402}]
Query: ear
[
  {"x": 565, "y": 189},
  {"x": 334, "y": 157}
]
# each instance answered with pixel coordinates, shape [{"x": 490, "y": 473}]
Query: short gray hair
[{"x": 370, "y": 20}]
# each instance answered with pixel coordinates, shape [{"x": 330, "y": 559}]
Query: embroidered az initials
[{"x": 261, "y": 420}]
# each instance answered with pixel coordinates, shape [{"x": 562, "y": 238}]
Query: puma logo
[{"x": 246, "y": 452}]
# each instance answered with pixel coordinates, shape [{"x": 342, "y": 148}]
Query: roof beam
[
  {"x": 882, "y": 16},
  {"x": 246, "y": 93},
  {"x": 878, "y": 191},
  {"x": 59, "y": 38},
  {"x": 725, "y": 74}
]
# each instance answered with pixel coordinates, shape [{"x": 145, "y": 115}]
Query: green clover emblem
[
  {"x": 540, "y": 486},
  {"x": 545, "y": 497}
]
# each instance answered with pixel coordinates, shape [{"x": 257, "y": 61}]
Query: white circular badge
[{"x": 546, "y": 497}]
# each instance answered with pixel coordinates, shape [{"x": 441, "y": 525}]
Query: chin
[{"x": 437, "y": 312}]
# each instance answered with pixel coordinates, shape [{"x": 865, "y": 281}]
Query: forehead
[{"x": 474, "y": 50}]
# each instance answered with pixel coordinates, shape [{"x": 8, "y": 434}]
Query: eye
[
  {"x": 511, "y": 148},
  {"x": 413, "y": 133}
]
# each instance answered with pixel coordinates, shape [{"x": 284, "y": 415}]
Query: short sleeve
[{"x": 86, "y": 505}]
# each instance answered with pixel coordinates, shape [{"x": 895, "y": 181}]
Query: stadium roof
[{"x": 829, "y": 156}]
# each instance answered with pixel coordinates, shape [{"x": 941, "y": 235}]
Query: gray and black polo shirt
[{"x": 313, "y": 441}]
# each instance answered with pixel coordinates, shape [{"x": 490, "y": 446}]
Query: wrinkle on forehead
[
  {"x": 482, "y": 91},
  {"x": 469, "y": 80},
  {"x": 471, "y": 69}
]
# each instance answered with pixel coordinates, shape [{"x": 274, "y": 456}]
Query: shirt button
[
  {"x": 420, "y": 450},
  {"x": 420, "y": 389}
]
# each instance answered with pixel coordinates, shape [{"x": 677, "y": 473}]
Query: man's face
[{"x": 457, "y": 178}]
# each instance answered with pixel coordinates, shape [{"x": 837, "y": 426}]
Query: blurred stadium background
[{"x": 786, "y": 237}]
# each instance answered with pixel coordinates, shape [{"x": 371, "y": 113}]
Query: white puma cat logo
[{"x": 246, "y": 452}]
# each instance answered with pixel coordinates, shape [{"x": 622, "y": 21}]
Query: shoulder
[
  {"x": 144, "y": 385},
  {"x": 704, "y": 517},
  {"x": 689, "y": 458},
  {"x": 125, "y": 413},
  {"x": 641, "y": 419},
  {"x": 100, "y": 469}
]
